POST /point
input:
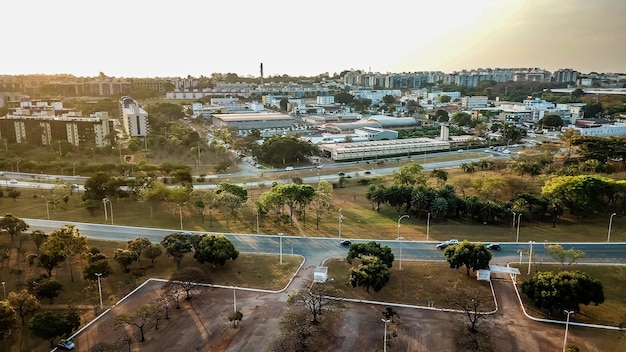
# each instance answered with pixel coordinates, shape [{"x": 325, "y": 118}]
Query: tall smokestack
[{"x": 261, "y": 73}]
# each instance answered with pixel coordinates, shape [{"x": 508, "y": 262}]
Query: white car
[{"x": 13, "y": 181}]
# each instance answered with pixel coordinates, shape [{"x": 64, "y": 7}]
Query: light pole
[
  {"x": 99, "y": 289},
  {"x": 4, "y": 289},
  {"x": 104, "y": 204},
  {"x": 519, "y": 220},
  {"x": 257, "y": 222},
  {"x": 17, "y": 166},
  {"x": 608, "y": 238},
  {"x": 530, "y": 255},
  {"x": 235, "y": 299},
  {"x": 180, "y": 213},
  {"x": 385, "y": 336},
  {"x": 280, "y": 237},
  {"x": 47, "y": 208},
  {"x": 427, "y": 226},
  {"x": 400, "y": 238},
  {"x": 74, "y": 168},
  {"x": 568, "y": 312},
  {"x": 340, "y": 221},
  {"x": 105, "y": 201},
  {"x": 514, "y": 214}
]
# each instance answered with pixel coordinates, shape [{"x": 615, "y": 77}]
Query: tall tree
[
  {"x": 471, "y": 255},
  {"x": 372, "y": 248},
  {"x": 8, "y": 320},
  {"x": 13, "y": 225},
  {"x": 187, "y": 279},
  {"x": 215, "y": 249},
  {"x": 124, "y": 257},
  {"x": 316, "y": 299},
  {"x": 49, "y": 325},
  {"x": 23, "y": 302},
  {"x": 371, "y": 272},
  {"x": 138, "y": 245},
  {"x": 409, "y": 174},
  {"x": 177, "y": 245},
  {"x": 322, "y": 201},
  {"x": 139, "y": 318},
  {"x": 153, "y": 252},
  {"x": 68, "y": 242}
]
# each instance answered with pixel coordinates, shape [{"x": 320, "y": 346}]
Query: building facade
[{"x": 134, "y": 119}]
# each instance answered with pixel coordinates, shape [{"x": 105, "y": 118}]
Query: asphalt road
[{"x": 316, "y": 249}]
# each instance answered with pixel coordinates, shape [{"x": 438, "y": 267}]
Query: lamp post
[
  {"x": 608, "y": 238},
  {"x": 74, "y": 168},
  {"x": 17, "y": 166},
  {"x": 99, "y": 289},
  {"x": 257, "y": 222},
  {"x": 340, "y": 221},
  {"x": 180, "y": 213},
  {"x": 514, "y": 214},
  {"x": 235, "y": 299},
  {"x": 47, "y": 208},
  {"x": 104, "y": 202},
  {"x": 4, "y": 290},
  {"x": 385, "y": 336},
  {"x": 427, "y": 226},
  {"x": 568, "y": 312},
  {"x": 280, "y": 237},
  {"x": 400, "y": 238},
  {"x": 530, "y": 255},
  {"x": 519, "y": 220}
]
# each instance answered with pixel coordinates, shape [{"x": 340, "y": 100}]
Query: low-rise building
[{"x": 259, "y": 121}]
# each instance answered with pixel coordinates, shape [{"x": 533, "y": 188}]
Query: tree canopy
[
  {"x": 371, "y": 272},
  {"x": 359, "y": 250},
  {"x": 473, "y": 256},
  {"x": 563, "y": 290},
  {"x": 49, "y": 325},
  {"x": 215, "y": 249},
  {"x": 13, "y": 225}
]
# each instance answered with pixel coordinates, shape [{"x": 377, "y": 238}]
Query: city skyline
[{"x": 127, "y": 39}]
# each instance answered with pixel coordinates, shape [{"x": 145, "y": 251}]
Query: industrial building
[
  {"x": 382, "y": 149},
  {"x": 249, "y": 121}
]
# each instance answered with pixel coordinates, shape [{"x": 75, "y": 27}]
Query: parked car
[
  {"x": 345, "y": 243},
  {"x": 493, "y": 246},
  {"x": 66, "y": 345},
  {"x": 447, "y": 243}
]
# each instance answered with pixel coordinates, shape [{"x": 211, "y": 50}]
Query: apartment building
[{"x": 133, "y": 117}]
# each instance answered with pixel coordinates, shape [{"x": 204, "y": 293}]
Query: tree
[
  {"x": 469, "y": 302},
  {"x": 14, "y": 194},
  {"x": 389, "y": 313},
  {"x": 215, "y": 249},
  {"x": 388, "y": 99},
  {"x": 471, "y": 255},
  {"x": 97, "y": 264},
  {"x": 444, "y": 98},
  {"x": 235, "y": 318},
  {"x": 322, "y": 201},
  {"x": 138, "y": 245},
  {"x": 153, "y": 252},
  {"x": 49, "y": 325},
  {"x": 47, "y": 288},
  {"x": 372, "y": 248},
  {"x": 316, "y": 299},
  {"x": 139, "y": 319},
  {"x": 558, "y": 253},
  {"x": 176, "y": 245},
  {"x": 38, "y": 237},
  {"x": 13, "y": 225},
  {"x": 124, "y": 258},
  {"x": 187, "y": 278},
  {"x": 8, "y": 320},
  {"x": 68, "y": 242},
  {"x": 46, "y": 259},
  {"x": 344, "y": 98},
  {"x": 553, "y": 121},
  {"x": 409, "y": 174},
  {"x": 565, "y": 290},
  {"x": 371, "y": 272},
  {"x": 23, "y": 302},
  {"x": 461, "y": 118}
]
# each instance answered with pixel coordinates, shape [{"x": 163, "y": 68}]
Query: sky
[{"x": 140, "y": 38}]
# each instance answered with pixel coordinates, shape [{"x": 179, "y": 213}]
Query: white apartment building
[
  {"x": 376, "y": 96},
  {"x": 134, "y": 118},
  {"x": 325, "y": 100},
  {"x": 606, "y": 130},
  {"x": 472, "y": 102}
]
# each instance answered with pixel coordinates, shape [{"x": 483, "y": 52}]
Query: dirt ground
[{"x": 202, "y": 325}]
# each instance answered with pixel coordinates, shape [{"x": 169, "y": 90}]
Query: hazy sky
[{"x": 134, "y": 38}]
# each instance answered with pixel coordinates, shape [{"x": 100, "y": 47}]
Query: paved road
[{"x": 316, "y": 249}]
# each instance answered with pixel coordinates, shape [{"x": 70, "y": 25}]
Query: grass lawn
[
  {"x": 416, "y": 284},
  {"x": 613, "y": 279}
]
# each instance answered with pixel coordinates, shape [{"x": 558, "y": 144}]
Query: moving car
[
  {"x": 447, "y": 243},
  {"x": 13, "y": 181},
  {"x": 341, "y": 174},
  {"x": 367, "y": 172},
  {"x": 345, "y": 243},
  {"x": 66, "y": 345},
  {"x": 493, "y": 246}
]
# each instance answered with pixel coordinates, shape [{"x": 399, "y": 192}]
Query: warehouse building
[{"x": 383, "y": 149}]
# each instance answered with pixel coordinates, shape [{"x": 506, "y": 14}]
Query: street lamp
[
  {"x": 280, "y": 236},
  {"x": 17, "y": 166},
  {"x": 530, "y": 255},
  {"x": 99, "y": 288},
  {"x": 385, "y": 336},
  {"x": 340, "y": 221},
  {"x": 257, "y": 222},
  {"x": 427, "y": 226},
  {"x": 519, "y": 220},
  {"x": 514, "y": 214},
  {"x": 400, "y": 238},
  {"x": 180, "y": 212},
  {"x": 74, "y": 168},
  {"x": 235, "y": 299},
  {"x": 568, "y": 312},
  {"x": 4, "y": 290},
  {"x": 608, "y": 238},
  {"x": 47, "y": 208},
  {"x": 104, "y": 202}
]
